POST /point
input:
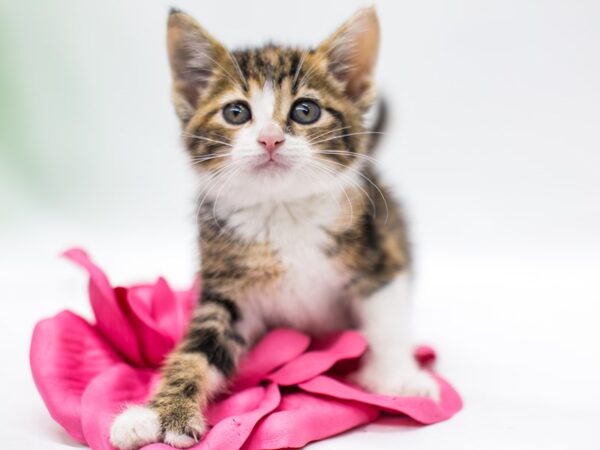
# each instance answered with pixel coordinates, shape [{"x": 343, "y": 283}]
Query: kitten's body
[
  {"x": 306, "y": 294},
  {"x": 302, "y": 263},
  {"x": 295, "y": 230}
]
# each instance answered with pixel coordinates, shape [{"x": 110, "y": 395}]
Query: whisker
[
  {"x": 312, "y": 68},
  {"x": 207, "y": 185},
  {"x": 347, "y": 153},
  {"x": 214, "y": 209},
  {"x": 346, "y": 135},
  {"x": 213, "y": 180},
  {"x": 209, "y": 155},
  {"x": 225, "y": 138},
  {"x": 320, "y": 135},
  {"x": 204, "y": 138},
  {"x": 330, "y": 152},
  {"x": 332, "y": 173},
  {"x": 358, "y": 186},
  {"x": 387, "y": 211},
  {"x": 210, "y": 184},
  {"x": 327, "y": 190},
  {"x": 238, "y": 69},
  {"x": 302, "y": 59},
  {"x": 198, "y": 162},
  {"x": 225, "y": 152},
  {"x": 231, "y": 78}
]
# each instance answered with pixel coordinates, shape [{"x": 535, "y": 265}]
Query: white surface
[
  {"x": 494, "y": 144},
  {"x": 519, "y": 340}
]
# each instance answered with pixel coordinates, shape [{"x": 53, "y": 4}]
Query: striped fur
[{"x": 292, "y": 247}]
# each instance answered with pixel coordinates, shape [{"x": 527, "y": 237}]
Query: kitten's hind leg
[
  {"x": 389, "y": 366},
  {"x": 196, "y": 370}
]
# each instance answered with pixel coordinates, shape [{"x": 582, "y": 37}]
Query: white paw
[
  {"x": 411, "y": 382},
  {"x": 196, "y": 427},
  {"x": 179, "y": 440},
  {"x": 134, "y": 428}
]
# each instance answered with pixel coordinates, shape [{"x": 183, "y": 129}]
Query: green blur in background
[{"x": 84, "y": 103}]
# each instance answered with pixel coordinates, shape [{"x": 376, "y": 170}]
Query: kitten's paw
[
  {"x": 135, "y": 427},
  {"x": 186, "y": 434},
  {"x": 179, "y": 440},
  {"x": 405, "y": 383}
]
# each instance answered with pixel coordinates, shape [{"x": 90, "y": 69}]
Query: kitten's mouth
[{"x": 272, "y": 163}]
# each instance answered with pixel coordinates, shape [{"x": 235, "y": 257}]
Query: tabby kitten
[{"x": 295, "y": 230}]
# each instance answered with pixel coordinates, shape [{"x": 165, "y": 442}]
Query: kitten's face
[{"x": 274, "y": 123}]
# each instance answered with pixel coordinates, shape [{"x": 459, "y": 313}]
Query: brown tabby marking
[
  {"x": 230, "y": 265},
  {"x": 375, "y": 247},
  {"x": 184, "y": 383},
  {"x": 367, "y": 240}
]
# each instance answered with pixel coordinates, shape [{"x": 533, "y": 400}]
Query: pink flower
[{"x": 289, "y": 390}]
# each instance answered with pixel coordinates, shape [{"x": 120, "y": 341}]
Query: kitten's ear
[
  {"x": 193, "y": 54},
  {"x": 352, "y": 50}
]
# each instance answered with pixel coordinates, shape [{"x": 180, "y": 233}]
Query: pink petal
[
  {"x": 121, "y": 385},
  {"x": 425, "y": 355},
  {"x": 154, "y": 342},
  {"x": 66, "y": 354},
  {"x": 423, "y": 410},
  {"x": 302, "y": 418},
  {"x": 276, "y": 348},
  {"x": 185, "y": 301},
  {"x": 322, "y": 357},
  {"x": 144, "y": 293},
  {"x": 235, "y": 404},
  {"x": 105, "y": 398},
  {"x": 232, "y": 432},
  {"x": 189, "y": 299},
  {"x": 169, "y": 310},
  {"x": 111, "y": 320}
]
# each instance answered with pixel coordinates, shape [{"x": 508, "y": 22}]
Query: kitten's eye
[
  {"x": 305, "y": 112},
  {"x": 236, "y": 113}
]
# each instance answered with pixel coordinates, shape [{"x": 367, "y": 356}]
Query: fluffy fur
[{"x": 302, "y": 237}]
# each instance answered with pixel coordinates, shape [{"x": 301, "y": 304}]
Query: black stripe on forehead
[
  {"x": 242, "y": 59},
  {"x": 261, "y": 65},
  {"x": 271, "y": 63},
  {"x": 294, "y": 73},
  {"x": 282, "y": 71},
  {"x": 294, "y": 60},
  {"x": 298, "y": 69}
]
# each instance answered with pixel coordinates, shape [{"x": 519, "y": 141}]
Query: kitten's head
[{"x": 274, "y": 122}]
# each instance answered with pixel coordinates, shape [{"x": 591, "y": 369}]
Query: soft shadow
[{"x": 54, "y": 433}]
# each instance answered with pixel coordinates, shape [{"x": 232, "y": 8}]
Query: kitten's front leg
[
  {"x": 196, "y": 370},
  {"x": 389, "y": 366}
]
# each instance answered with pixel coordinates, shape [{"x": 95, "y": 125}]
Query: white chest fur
[{"x": 309, "y": 296}]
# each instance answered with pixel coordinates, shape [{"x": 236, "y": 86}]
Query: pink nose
[{"x": 271, "y": 137}]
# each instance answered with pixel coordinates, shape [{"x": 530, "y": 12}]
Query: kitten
[{"x": 295, "y": 230}]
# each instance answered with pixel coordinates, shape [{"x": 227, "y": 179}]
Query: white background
[{"x": 494, "y": 145}]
